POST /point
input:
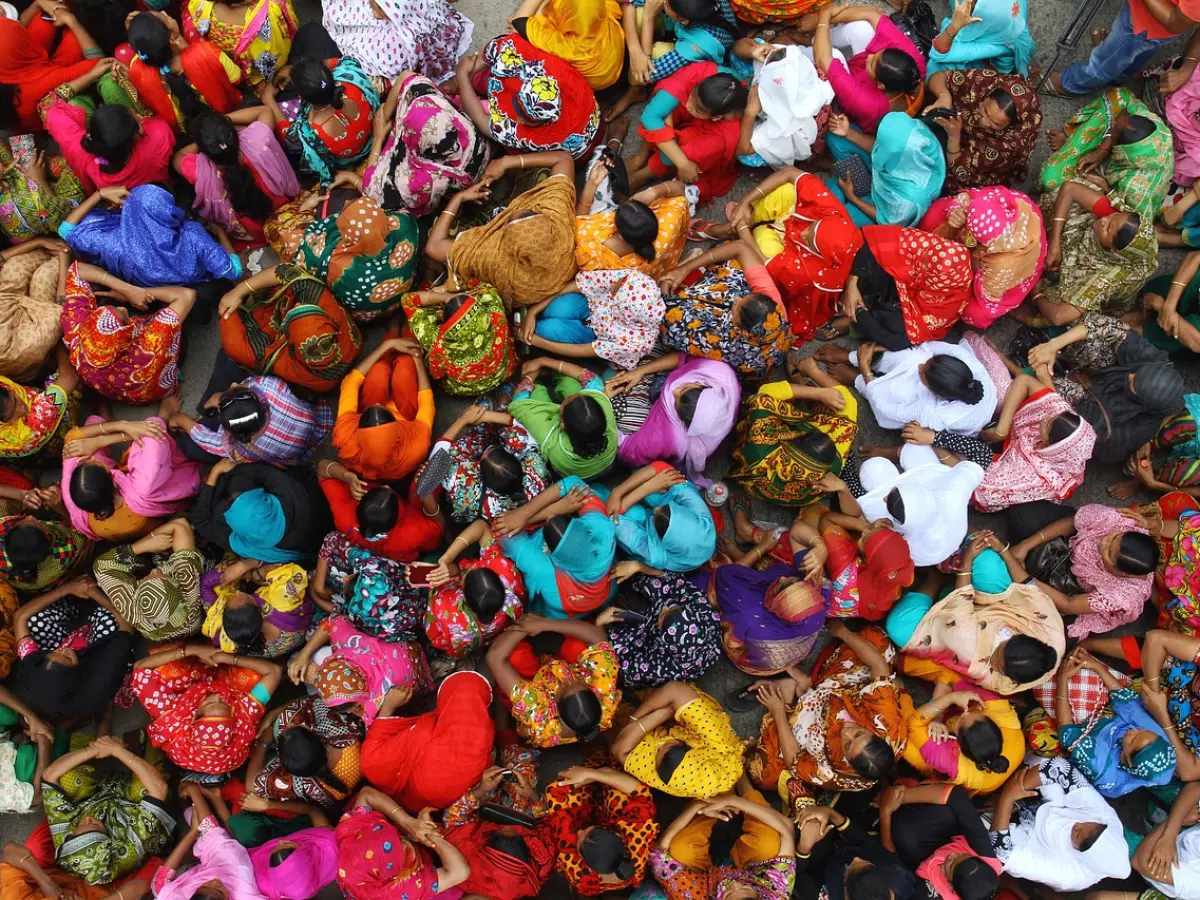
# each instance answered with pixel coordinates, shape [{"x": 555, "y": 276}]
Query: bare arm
[{"x": 863, "y": 649}]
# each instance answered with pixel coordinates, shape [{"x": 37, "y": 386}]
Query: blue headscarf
[
  {"x": 1001, "y": 41},
  {"x": 257, "y": 525},
  {"x": 1098, "y": 751},
  {"x": 150, "y": 242},
  {"x": 691, "y": 537},
  {"x": 908, "y": 167}
]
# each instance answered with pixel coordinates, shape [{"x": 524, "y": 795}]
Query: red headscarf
[
  {"x": 887, "y": 569},
  {"x": 812, "y": 282},
  {"x": 203, "y": 68},
  {"x": 933, "y": 277},
  {"x": 26, "y": 63},
  {"x": 498, "y": 875}
]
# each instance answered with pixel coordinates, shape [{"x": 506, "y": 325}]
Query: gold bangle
[
  {"x": 761, "y": 192},
  {"x": 711, "y": 258},
  {"x": 560, "y": 365},
  {"x": 522, "y": 159},
  {"x": 448, "y": 212},
  {"x": 460, "y": 538},
  {"x": 436, "y": 512},
  {"x": 1042, "y": 536},
  {"x": 1182, "y": 284},
  {"x": 1060, "y": 218},
  {"x": 822, "y": 24},
  {"x": 639, "y": 724}
]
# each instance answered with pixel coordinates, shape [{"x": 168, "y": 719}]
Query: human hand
[
  {"x": 771, "y": 696},
  {"x": 475, "y": 193},
  {"x": 107, "y": 745},
  {"x": 753, "y": 102},
  {"x": 892, "y": 798},
  {"x": 488, "y": 782},
  {"x": 941, "y": 101},
  {"x": 626, "y": 569},
  {"x": 1053, "y": 256},
  {"x": 254, "y": 803},
  {"x": 115, "y": 195},
  {"x": 846, "y": 183},
  {"x": 470, "y": 64},
  {"x": 666, "y": 479},
  {"x": 957, "y": 217},
  {"x": 953, "y": 126},
  {"x": 570, "y": 504},
  {"x": 963, "y": 16},
  {"x": 80, "y": 585},
  {"x": 531, "y": 623},
  {"x": 157, "y": 541},
  {"x": 36, "y": 728},
  {"x": 1014, "y": 789},
  {"x": 510, "y": 523},
  {"x": 1162, "y": 858},
  {"x": 830, "y": 484},
  {"x": 839, "y": 124},
  {"x": 1173, "y": 79},
  {"x": 689, "y": 172},
  {"x": 915, "y": 433},
  {"x": 576, "y": 775},
  {"x": 399, "y": 695},
  {"x": 813, "y": 563},
  {"x": 598, "y": 174},
  {"x": 620, "y": 383},
  {"x": 442, "y": 574},
  {"x": 1091, "y": 161},
  {"x": 1045, "y": 354},
  {"x": 640, "y": 67},
  {"x": 297, "y": 669},
  {"x": 406, "y": 346},
  {"x": 671, "y": 281},
  {"x": 148, "y": 429},
  {"x": 938, "y": 732},
  {"x": 232, "y": 301},
  {"x": 423, "y": 830},
  {"x": 833, "y": 398},
  {"x": 867, "y": 351},
  {"x": 1155, "y": 703}
]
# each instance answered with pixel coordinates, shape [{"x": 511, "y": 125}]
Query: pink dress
[
  {"x": 384, "y": 664},
  {"x": 857, "y": 94},
  {"x": 221, "y": 858},
  {"x": 1181, "y": 109},
  {"x": 1116, "y": 600},
  {"x": 157, "y": 480},
  {"x": 149, "y": 163}
]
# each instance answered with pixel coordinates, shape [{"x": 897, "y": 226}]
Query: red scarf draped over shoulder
[{"x": 202, "y": 66}]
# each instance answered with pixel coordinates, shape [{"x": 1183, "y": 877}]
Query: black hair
[
  {"x": 662, "y": 520},
  {"x": 502, "y": 472},
  {"x": 484, "y": 592},
  {"x": 670, "y": 762},
  {"x": 26, "y": 546},
  {"x": 243, "y": 624},
  {"x": 510, "y": 845},
  {"x": 895, "y": 505},
  {"x": 725, "y": 835},
  {"x": 112, "y": 132},
  {"x": 868, "y": 883},
  {"x": 638, "y": 227},
  {"x": 673, "y": 615},
  {"x": 378, "y": 511},
  {"x": 1005, "y": 101},
  {"x": 897, "y": 71},
  {"x": 8, "y": 109},
  {"x": 92, "y": 489},
  {"x": 1137, "y": 553},
  {"x": 104, "y": 20},
  {"x": 151, "y": 40},
  {"x": 720, "y": 94},
  {"x": 584, "y": 422},
  {"x": 952, "y": 379},
  {"x": 974, "y": 879},
  {"x": 217, "y": 138},
  {"x": 605, "y": 854},
  {"x": 982, "y": 743},
  {"x": 581, "y": 712},
  {"x": 1090, "y": 842},
  {"x": 279, "y": 856},
  {"x": 1063, "y": 426},
  {"x": 206, "y": 893},
  {"x": 817, "y": 445},
  {"x": 934, "y": 124},
  {"x": 1135, "y": 128},
  {"x": 1027, "y": 659},
  {"x": 241, "y": 412},
  {"x": 377, "y": 414},
  {"x": 302, "y": 753},
  {"x": 875, "y": 761},
  {"x": 755, "y": 311},
  {"x": 313, "y": 83},
  {"x": 1128, "y": 231},
  {"x": 553, "y": 531},
  {"x": 701, "y": 11},
  {"x": 685, "y": 403}
]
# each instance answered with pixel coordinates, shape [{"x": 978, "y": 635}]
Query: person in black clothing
[{"x": 836, "y": 852}]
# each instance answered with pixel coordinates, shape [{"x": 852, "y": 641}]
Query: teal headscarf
[
  {"x": 691, "y": 537},
  {"x": 1001, "y": 41},
  {"x": 906, "y": 615},
  {"x": 908, "y": 167},
  {"x": 257, "y": 525},
  {"x": 989, "y": 574}
]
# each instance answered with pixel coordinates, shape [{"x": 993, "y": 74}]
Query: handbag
[
  {"x": 918, "y": 24},
  {"x": 1051, "y": 563},
  {"x": 860, "y": 175}
]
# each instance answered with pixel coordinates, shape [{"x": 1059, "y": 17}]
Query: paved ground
[{"x": 1047, "y": 19}]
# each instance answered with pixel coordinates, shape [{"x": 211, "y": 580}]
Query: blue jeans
[
  {"x": 1121, "y": 54},
  {"x": 565, "y": 320}
]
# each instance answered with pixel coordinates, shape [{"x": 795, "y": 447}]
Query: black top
[{"x": 920, "y": 829}]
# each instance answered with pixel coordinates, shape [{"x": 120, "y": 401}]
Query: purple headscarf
[
  {"x": 311, "y": 866},
  {"x": 265, "y": 158},
  {"x": 665, "y": 438}
]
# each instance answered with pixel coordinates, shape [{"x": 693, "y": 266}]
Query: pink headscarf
[
  {"x": 932, "y": 869},
  {"x": 665, "y": 437},
  {"x": 264, "y": 156},
  {"x": 991, "y": 213},
  {"x": 311, "y": 866},
  {"x": 221, "y": 858}
]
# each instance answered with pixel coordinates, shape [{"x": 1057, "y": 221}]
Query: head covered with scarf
[
  {"x": 989, "y": 155},
  {"x": 495, "y": 873},
  {"x": 212, "y": 744},
  {"x": 309, "y": 865},
  {"x": 151, "y": 242},
  {"x": 886, "y": 569},
  {"x": 690, "y": 537},
  {"x": 257, "y": 523}
]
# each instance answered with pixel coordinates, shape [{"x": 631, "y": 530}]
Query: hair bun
[
  {"x": 975, "y": 390},
  {"x": 625, "y": 870}
]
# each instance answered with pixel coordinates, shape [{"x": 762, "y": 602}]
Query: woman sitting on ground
[
  {"x": 256, "y": 609},
  {"x": 647, "y": 232}
]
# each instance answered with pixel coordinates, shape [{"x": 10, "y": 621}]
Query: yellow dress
[{"x": 592, "y": 231}]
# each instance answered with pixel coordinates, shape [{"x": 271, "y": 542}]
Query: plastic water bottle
[{"x": 717, "y": 494}]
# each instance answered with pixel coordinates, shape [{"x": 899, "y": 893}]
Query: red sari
[
  {"x": 27, "y": 63},
  {"x": 413, "y": 534},
  {"x": 933, "y": 277},
  {"x": 203, "y": 68},
  {"x": 811, "y": 282}
]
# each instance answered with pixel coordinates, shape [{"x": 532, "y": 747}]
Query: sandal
[
  {"x": 1048, "y": 89},
  {"x": 698, "y": 230},
  {"x": 829, "y": 332}
]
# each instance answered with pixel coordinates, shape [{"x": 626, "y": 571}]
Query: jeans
[
  {"x": 565, "y": 320},
  {"x": 1121, "y": 54}
]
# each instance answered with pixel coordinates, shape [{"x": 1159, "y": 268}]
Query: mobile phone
[
  {"x": 631, "y": 617},
  {"x": 775, "y": 56},
  {"x": 418, "y": 573},
  {"x": 507, "y": 774}
]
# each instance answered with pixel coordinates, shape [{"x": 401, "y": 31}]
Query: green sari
[
  {"x": 365, "y": 254},
  {"x": 539, "y": 412},
  {"x": 471, "y": 352},
  {"x": 1139, "y": 175}
]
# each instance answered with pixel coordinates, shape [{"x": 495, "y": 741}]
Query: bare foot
[
  {"x": 743, "y": 528},
  {"x": 170, "y": 404},
  {"x": 635, "y": 94},
  {"x": 1173, "y": 215},
  {"x": 870, "y": 451},
  {"x": 1099, "y": 36},
  {"x": 617, "y": 130},
  {"x": 832, "y": 353},
  {"x": 1123, "y": 490},
  {"x": 1055, "y": 137},
  {"x": 786, "y": 686},
  {"x": 842, "y": 373},
  {"x": 728, "y": 548}
]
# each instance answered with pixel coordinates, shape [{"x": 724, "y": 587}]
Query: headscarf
[
  {"x": 586, "y": 33},
  {"x": 302, "y": 138},
  {"x": 210, "y": 744},
  {"x": 150, "y": 242},
  {"x": 43, "y": 417},
  {"x": 933, "y": 868},
  {"x": 1159, "y": 394},
  {"x": 886, "y": 569},
  {"x": 498, "y": 875},
  {"x": 376, "y": 861},
  {"x": 932, "y": 274},
  {"x": 664, "y": 436},
  {"x": 257, "y": 524},
  {"x": 690, "y": 539},
  {"x": 30, "y": 315},
  {"x": 528, "y": 259},
  {"x": 1000, "y": 39},
  {"x": 1025, "y": 472},
  {"x": 991, "y": 157},
  {"x": 221, "y": 859},
  {"x": 205, "y": 71},
  {"x": 1043, "y": 851},
  {"x": 792, "y": 94},
  {"x": 264, "y": 157},
  {"x": 311, "y": 865},
  {"x": 1098, "y": 750},
  {"x": 908, "y": 167},
  {"x": 470, "y": 352},
  {"x": 433, "y": 148},
  {"x": 339, "y": 682},
  {"x": 769, "y": 618},
  {"x": 26, "y": 64}
]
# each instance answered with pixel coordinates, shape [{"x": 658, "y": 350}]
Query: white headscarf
[
  {"x": 1044, "y": 853},
  {"x": 935, "y": 500},
  {"x": 10, "y": 12},
  {"x": 791, "y": 94},
  {"x": 898, "y": 396},
  {"x": 389, "y": 46}
]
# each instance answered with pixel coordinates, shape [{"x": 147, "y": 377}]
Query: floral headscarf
[
  {"x": 539, "y": 97},
  {"x": 339, "y": 681}
]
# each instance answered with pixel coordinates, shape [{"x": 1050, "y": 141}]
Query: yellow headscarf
[
  {"x": 586, "y": 33},
  {"x": 284, "y": 590}
]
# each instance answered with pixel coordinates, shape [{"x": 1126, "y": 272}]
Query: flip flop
[
  {"x": 827, "y": 332},
  {"x": 698, "y": 230},
  {"x": 745, "y": 700},
  {"x": 433, "y": 473}
]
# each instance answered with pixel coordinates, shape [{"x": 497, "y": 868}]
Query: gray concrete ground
[{"x": 1047, "y": 20}]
